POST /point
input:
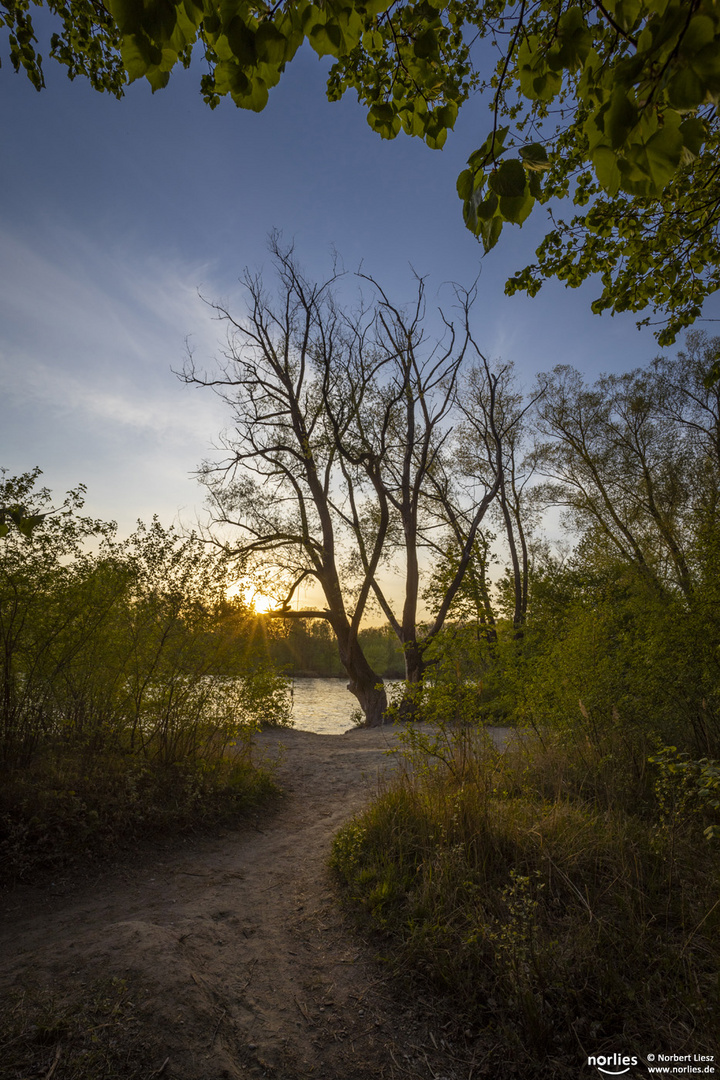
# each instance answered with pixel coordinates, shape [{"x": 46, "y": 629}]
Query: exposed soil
[{"x": 240, "y": 957}]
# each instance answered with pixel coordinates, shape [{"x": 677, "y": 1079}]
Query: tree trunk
[
  {"x": 372, "y": 697},
  {"x": 415, "y": 668},
  {"x": 364, "y": 683},
  {"x": 414, "y": 663}
]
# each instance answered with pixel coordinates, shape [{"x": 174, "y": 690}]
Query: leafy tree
[
  {"x": 338, "y": 461},
  {"x": 614, "y": 102},
  {"x": 622, "y": 637},
  {"x": 628, "y": 459},
  {"x": 125, "y": 646},
  {"x": 45, "y": 582}
]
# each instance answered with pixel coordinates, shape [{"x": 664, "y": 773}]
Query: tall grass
[{"x": 545, "y": 898}]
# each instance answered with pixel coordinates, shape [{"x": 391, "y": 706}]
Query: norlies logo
[{"x": 612, "y": 1064}]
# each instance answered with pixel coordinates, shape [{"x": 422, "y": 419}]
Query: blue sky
[{"x": 115, "y": 213}]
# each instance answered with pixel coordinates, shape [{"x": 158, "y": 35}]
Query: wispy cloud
[
  {"x": 96, "y": 332},
  {"x": 88, "y": 337}
]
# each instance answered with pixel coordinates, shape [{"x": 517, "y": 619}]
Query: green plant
[
  {"x": 685, "y": 787},
  {"x": 530, "y": 892}
]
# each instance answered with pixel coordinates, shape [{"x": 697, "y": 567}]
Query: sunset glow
[{"x": 259, "y": 601}]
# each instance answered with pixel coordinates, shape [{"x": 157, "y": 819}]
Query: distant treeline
[{"x": 304, "y": 648}]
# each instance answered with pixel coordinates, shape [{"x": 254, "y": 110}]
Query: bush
[
  {"x": 539, "y": 905},
  {"x": 129, "y": 683}
]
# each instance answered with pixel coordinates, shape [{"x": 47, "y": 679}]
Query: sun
[
  {"x": 262, "y": 604},
  {"x": 258, "y": 601}
]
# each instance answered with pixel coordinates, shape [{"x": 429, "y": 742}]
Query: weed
[
  {"x": 88, "y": 1033},
  {"x": 540, "y": 900}
]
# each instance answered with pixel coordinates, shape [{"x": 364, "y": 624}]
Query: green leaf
[
  {"x": 465, "y": 183},
  {"x": 605, "y": 163},
  {"x": 516, "y": 209},
  {"x": 700, "y": 32},
  {"x": 694, "y": 133},
  {"x": 128, "y": 14},
  {"x": 574, "y": 41},
  {"x": 139, "y": 55},
  {"x": 625, "y": 13},
  {"x": 158, "y": 79},
  {"x": 271, "y": 45},
  {"x": 490, "y": 232},
  {"x": 486, "y": 208},
  {"x": 706, "y": 63},
  {"x": 534, "y": 156},
  {"x": 427, "y": 46},
  {"x": 620, "y": 118},
  {"x": 686, "y": 90},
  {"x": 493, "y": 144},
  {"x": 657, "y": 160},
  {"x": 509, "y": 180},
  {"x": 383, "y": 118},
  {"x": 534, "y": 184},
  {"x": 326, "y": 40},
  {"x": 241, "y": 40}
]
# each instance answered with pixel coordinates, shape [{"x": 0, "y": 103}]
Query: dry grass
[
  {"x": 89, "y": 1032},
  {"x": 66, "y": 807},
  {"x": 543, "y": 903}
]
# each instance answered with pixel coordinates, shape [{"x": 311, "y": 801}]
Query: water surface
[{"x": 324, "y": 706}]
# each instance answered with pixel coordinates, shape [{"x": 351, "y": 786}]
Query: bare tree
[
  {"x": 338, "y": 460},
  {"x": 515, "y": 507}
]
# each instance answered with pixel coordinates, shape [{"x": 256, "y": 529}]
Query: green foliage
[
  {"x": 383, "y": 651},
  {"x": 566, "y": 888},
  {"x": 615, "y": 104},
  {"x": 305, "y": 647},
  {"x": 616, "y": 656},
  {"x": 129, "y": 684},
  {"x": 85, "y": 40},
  {"x": 538, "y": 901},
  {"x": 684, "y": 787},
  {"x": 133, "y": 645}
]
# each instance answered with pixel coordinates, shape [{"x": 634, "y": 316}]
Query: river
[{"x": 324, "y": 706}]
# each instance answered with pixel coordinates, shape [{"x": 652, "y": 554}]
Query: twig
[
  {"x": 698, "y": 927},
  {"x": 362, "y": 1034},
  {"x": 304, "y": 1012},
  {"x": 222, "y": 1016},
  {"x": 161, "y": 1070},
  {"x": 395, "y": 1062},
  {"x": 53, "y": 1067},
  {"x": 250, "y": 975},
  {"x": 273, "y": 886},
  {"x": 430, "y": 1068}
]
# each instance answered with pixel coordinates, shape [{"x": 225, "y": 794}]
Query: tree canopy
[{"x": 611, "y": 105}]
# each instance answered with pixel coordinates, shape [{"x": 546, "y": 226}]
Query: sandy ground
[{"x": 245, "y": 962}]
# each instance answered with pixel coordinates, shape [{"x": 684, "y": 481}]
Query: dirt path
[{"x": 245, "y": 962}]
